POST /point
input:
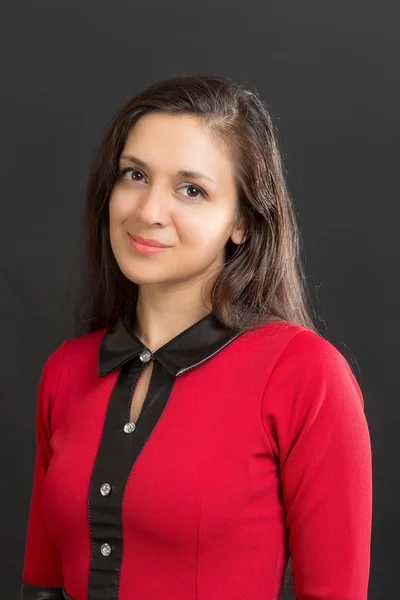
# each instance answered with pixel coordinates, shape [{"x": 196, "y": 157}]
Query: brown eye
[
  {"x": 135, "y": 172},
  {"x": 194, "y": 192}
]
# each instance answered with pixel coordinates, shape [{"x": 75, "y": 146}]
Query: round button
[
  {"x": 106, "y": 549},
  {"x": 145, "y": 355},
  {"x": 129, "y": 427},
  {"x": 105, "y": 489}
]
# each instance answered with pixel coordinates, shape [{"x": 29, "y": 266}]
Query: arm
[
  {"x": 313, "y": 412},
  {"x": 42, "y": 574}
]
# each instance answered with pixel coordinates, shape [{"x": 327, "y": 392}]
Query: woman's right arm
[{"x": 42, "y": 573}]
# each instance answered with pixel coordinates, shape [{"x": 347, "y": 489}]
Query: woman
[{"x": 199, "y": 431}]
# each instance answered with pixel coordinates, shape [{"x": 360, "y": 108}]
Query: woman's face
[{"x": 192, "y": 213}]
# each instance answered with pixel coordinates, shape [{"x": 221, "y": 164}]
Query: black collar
[{"x": 188, "y": 349}]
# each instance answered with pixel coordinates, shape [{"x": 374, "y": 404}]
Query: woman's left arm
[{"x": 313, "y": 413}]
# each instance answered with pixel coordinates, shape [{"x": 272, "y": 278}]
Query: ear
[{"x": 238, "y": 233}]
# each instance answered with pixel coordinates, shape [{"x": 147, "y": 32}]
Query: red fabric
[{"x": 261, "y": 450}]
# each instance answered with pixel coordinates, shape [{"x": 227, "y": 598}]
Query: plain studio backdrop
[{"x": 329, "y": 73}]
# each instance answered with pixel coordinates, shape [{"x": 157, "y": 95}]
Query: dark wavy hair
[{"x": 263, "y": 279}]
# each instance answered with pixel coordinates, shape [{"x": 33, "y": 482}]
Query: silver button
[
  {"x": 106, "y": 549},
  {"x": 105, "y": 489},
  {"x": 129, "y": 427},
  {"x": 145, "y": 355}
]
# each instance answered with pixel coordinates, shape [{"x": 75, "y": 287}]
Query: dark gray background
[{"x": 329, "y": 72}]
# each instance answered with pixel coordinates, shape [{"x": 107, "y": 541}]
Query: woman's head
[
  {"x": 176, "y": 184},
  {"x": 242, "y": 230}
]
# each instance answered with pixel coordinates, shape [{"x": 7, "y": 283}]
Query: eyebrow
[{"x": 183, "y": 173}]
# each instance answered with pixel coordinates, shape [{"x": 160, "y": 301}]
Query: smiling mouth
[{"x": 146, "y": 248}]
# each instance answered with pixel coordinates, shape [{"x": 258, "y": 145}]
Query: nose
[{"x": 154, "y": 205}]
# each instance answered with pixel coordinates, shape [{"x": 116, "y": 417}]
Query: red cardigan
[{"x": 248, "y": 447}]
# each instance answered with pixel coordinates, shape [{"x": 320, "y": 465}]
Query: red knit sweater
[{"x": 248, "y": 447}]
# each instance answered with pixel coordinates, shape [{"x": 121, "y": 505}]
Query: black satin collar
[{"x": 188, "y": 349}]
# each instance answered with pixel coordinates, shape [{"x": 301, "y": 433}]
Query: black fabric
[
  {"x": 34, "y": 592},
  {"x": 105, "y": 516}
]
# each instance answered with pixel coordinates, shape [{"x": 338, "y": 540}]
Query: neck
[{"x": 162, "y": 315}]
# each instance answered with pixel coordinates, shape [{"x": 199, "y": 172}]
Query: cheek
[
  {"x": 116, "y": 208},
  {"x": 117, "y": 216},
  {"x": 121, "y": 205},
  {"x": 208, "y": 229}
]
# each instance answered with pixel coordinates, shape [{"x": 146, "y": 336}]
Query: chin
[{"x": 141, "y": 277}]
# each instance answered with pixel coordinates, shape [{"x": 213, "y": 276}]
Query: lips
[{"x": 149, "y": 242}]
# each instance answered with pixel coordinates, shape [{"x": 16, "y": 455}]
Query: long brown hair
[{"x": 263, "y": 279}]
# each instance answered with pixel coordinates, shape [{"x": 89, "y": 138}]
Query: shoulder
[
  {"x": 298, "y": 344},
  {"x": 301, "y": 357},
  {"x": 309, "y": 366},
  {"x": 74, "y": 352},
  {"x": 286, "y": 341},
  {"x": 309, "y": 386},
  {"x": 84, "y": 346}
]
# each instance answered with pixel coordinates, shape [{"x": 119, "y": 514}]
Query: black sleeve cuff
[{"x": 35, "y": 592}]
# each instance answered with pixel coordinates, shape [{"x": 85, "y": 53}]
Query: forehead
[{"x": 173, "y": 142}]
